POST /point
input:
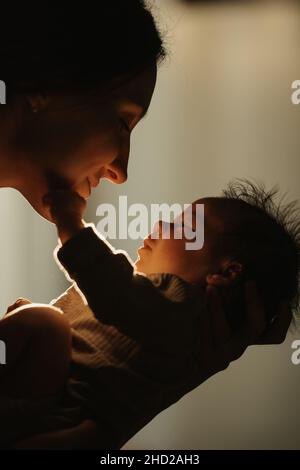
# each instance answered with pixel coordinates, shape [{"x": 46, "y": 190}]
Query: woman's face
[{"x": 80, "y": 139}]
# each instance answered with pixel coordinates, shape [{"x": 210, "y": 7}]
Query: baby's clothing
[{"x": 135, "y": 345}]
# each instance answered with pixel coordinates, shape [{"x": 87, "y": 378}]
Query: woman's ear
[
  {"x": 229, "y": 274},
  {"x": 38, "y": 101}
]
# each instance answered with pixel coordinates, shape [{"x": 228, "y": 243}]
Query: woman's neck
[{"x": 19, "y": 172}]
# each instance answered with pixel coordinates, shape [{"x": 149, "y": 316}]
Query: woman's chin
[
  {"x": 83, "y": 189},
  {"x": 42, "y": 211}
]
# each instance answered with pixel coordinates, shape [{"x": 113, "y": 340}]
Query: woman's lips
[{"x": 84, "y": 189}]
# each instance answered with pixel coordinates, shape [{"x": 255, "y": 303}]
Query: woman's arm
[
  {"x": 219, "y": 347},
  {"x": 84, "y": 436}
]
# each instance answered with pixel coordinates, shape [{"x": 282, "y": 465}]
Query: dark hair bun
[{"x": 75, "y": 46}]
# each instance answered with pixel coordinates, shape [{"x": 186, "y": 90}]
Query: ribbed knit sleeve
[{"x": 115, "y": 293}]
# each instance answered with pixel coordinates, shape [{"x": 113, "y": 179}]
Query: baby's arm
[{"x": 115, "y": 293}]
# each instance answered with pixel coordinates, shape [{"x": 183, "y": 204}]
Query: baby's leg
[{"x": 38, "y": 351}]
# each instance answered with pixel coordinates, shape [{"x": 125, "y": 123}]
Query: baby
[{"x": 127, "y": 345}]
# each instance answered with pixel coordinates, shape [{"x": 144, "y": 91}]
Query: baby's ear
[{"x": 228, "y": 275}]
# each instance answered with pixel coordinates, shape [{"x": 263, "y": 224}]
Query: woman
[{"x": 72, "y": 104}]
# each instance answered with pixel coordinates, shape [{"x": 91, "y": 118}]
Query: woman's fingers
[
  {"x": 255, "y": 314},
  {"x": 205, "y": 337},
  {"x": 254, "y": 330},
  {"x": 218, "y": 345},
  {"x": 219, "y": 326},
  {"x": 276, "y": 333},
  {"x": 214, "y": 332},
  {"x": 254, "y": 324}
]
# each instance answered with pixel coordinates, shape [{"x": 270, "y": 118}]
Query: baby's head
[{"x": 246, "y": 236}]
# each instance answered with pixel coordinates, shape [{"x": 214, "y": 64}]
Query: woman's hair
[{"x": 74, "y": 46}]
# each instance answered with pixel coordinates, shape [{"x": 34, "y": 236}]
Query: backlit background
[{"x": 222, "y": 109}]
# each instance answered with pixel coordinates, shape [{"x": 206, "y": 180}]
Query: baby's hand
[{"x": 66, "y": 209}]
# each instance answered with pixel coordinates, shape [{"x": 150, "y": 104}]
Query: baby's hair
[{"x": 265, "y": 238}]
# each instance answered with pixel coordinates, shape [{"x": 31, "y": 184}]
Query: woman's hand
[
  {"x": 256, "y": 330},
  {"x": 223, "y": 346},
  {"x": 84, "y": 436},
  {"x": 66, "y": 209}
]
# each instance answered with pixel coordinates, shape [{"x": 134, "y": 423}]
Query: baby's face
[{"x": 164, "y": 253}]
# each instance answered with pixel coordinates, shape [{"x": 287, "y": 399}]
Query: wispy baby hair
[{"x": 266, "y": 238}]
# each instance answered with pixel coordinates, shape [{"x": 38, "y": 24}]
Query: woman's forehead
[
  {"x": 139, "y": 89},
  {"x": 129, "y": 91}
]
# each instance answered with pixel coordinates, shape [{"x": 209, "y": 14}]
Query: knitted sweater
[{"x": 135, "y": 337}]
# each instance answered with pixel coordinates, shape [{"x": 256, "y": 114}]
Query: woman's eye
[{"x": 124, "y": 124}]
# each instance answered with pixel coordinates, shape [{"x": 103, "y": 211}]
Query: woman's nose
[{"x": 117, "y": 171}]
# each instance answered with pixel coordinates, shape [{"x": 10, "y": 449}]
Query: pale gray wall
[
  {"x": 27, "y": 242},
  {"x": 221, "y": 109}
]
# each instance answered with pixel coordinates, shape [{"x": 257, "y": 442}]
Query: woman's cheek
[
  {"x": 96, "y": 153},
  {"x": 107, "y": 145},
  {"x": 169, "y": 254},
  {"x": 179, "y": 254}
]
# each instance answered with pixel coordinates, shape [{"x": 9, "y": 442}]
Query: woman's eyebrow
[
  {"x": 137, "y": 109},
  {"x": 144, "y": 112},
  {"x": 142, "y": 109}
]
